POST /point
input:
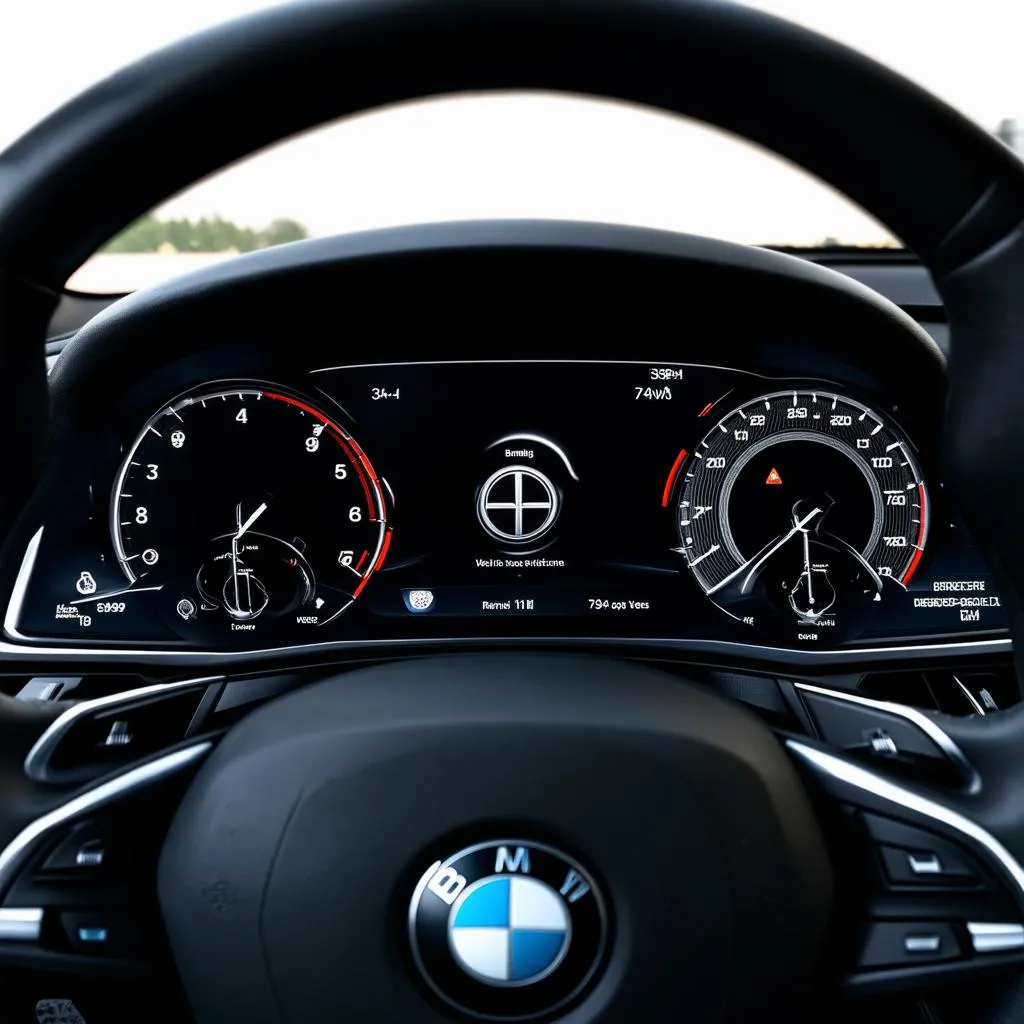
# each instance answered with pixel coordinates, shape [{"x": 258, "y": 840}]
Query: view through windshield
[{"x": 521, "y": 155}]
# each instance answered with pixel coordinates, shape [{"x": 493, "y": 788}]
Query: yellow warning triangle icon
[{"x": 773, "y": 477}]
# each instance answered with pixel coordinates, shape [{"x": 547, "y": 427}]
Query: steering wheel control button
[
  {"x": 84, "y": 851},
  {"x": 996, "y": 938},
  {"x": 109, "y": 737},
  {"x": 926, "y": 867},
  {"x": 878, "y": 736},
  {"x": 517, "y": 505},
  {"x": 931, "y": 942},
  {"x": 102, "y": 933},
  {"x": 913, "y": 857},
  {"x": 908, "y": 943},
  {"x": 507, "y": 930}
]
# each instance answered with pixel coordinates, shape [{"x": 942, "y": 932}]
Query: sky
[{"x": 527, "y": 155}]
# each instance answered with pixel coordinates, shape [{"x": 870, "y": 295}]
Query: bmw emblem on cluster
[{"x": 507, "y": 930}]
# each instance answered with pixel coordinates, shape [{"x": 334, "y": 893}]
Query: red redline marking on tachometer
[
  {"x": 912, "y": 568},
  {"x": 362, "y": 558},
  {"x": 667, "y": 493},
  {"x": 707, "y": 408},
  {"x": 360, "y": 462},
  {"x": 301, "y": 405},
  {"x": 376, "y": 565}
]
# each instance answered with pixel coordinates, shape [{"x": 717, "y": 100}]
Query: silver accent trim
[
  {"x": 917, "y": 718},
  {"x": 922, "y": 943},
  {"x": 19, "y": 847},
  {"x": 37, "y": 758},
  {"x": 538, "y": 439},
  {"x": 995, "y": 938},
  {"x": 978, "y": 709},
  {"x": 861, "y": 778},
  {"x": 185, "y": 656},
  {"x": 20, "y": 924},
  {"x": 28, "y": 562}
]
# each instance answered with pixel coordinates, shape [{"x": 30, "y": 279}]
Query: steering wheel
[{"x": 684, "y": 838}]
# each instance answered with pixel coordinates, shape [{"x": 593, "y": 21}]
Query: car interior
[{"x": 513, "y": 619}]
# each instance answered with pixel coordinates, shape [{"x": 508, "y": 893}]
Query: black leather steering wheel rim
[
  {"x": 950, "y": 192},
  {"x": 276, "y": 73}
]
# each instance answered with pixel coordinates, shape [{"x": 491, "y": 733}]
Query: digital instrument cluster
[{"x": 529, "y": 499}]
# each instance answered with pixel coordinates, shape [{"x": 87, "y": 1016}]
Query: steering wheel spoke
[{"x": 925, "y": 891}]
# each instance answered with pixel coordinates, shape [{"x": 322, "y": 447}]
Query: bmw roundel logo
[{"x": 507, "y": 930}]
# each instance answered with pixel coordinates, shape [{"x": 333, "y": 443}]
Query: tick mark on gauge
[
  {"x": 157, "y": 432},
  {"x": 721, "y": 427},
  {"x": 876, "y": 430},
  {"x": 889, "y": 448},
  {"x": 174, "y": 412},
  {"x": 707, "y": 554}
]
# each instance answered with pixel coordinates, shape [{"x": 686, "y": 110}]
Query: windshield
[{"x": 520, "y": 155}]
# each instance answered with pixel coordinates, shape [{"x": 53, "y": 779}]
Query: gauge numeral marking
[{"x": 699, "y": 511}]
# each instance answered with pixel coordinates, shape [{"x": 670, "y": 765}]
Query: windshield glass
[{"x": 521, "y": 155}]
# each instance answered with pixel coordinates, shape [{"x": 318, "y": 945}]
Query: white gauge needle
[
  {"x": 807, "y": 567},
  {"x": 751, "y": 566},
  {"x": 252, "y": 519}
]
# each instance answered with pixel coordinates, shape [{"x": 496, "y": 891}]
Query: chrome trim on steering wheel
[
  {"x": 854, "y": 775},
  {"x": 18, "y": 849},
  {"x": 918, "y": 718},
  {"x": 43, "y": 748}
]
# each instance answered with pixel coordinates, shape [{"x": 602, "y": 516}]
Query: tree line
[{"x": 208, "y": 234}]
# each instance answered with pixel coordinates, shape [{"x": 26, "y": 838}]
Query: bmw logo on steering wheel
[{"x": 508, "y": 929}]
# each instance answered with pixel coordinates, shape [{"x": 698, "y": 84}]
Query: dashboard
[{"x": 243, "y": 492}]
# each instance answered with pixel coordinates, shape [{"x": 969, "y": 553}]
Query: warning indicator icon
[{"x": 773, "y": 477}]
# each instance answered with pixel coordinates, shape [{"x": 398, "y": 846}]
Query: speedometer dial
[
  {"x": 803, "y": 504},
  {"x": 248, "y": 510}
]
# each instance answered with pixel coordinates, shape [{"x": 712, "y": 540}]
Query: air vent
[{"x": 974, "y": 690}]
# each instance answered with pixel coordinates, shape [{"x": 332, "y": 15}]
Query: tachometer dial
[
  {"x": 802, "y": 503},
  {"x": 250, "y": 509}
]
